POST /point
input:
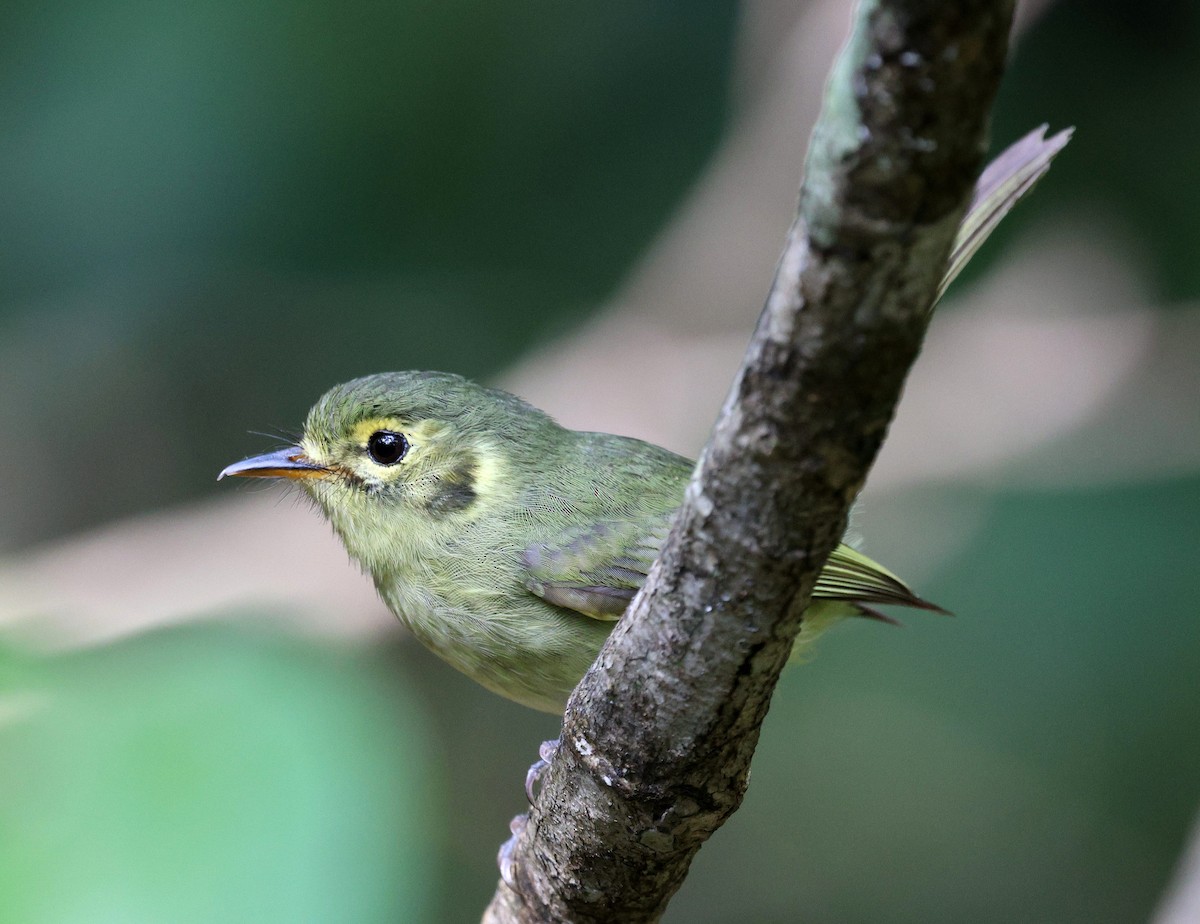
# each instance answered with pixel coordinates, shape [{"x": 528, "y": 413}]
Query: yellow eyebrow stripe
[
  {"x": 364, "y": 428},
  {"x": 415, "y": 431}
]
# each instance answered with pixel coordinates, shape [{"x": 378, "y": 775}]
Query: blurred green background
[{"x": 211, "y": 212}]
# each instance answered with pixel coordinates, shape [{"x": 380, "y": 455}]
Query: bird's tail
[{"x": 1003, "y": 183}]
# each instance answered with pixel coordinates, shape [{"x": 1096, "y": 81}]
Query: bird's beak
[{"x": 283, "y": 463}]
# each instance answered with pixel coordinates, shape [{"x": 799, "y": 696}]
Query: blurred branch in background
[
  {"x": 191, "y": 565},
  {"x": 1181, "y": 904}
]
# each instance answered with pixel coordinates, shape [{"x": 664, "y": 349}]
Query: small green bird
[{"x": 507, "y": 544}]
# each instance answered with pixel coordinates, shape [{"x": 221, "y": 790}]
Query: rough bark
[{"x": 657, "y": 738}]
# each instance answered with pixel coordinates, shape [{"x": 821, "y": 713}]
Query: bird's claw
[
  {"x": 504, "y": 859},
  {"x": 546, "y": 752}
]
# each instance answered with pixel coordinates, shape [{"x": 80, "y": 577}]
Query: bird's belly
[{"x": 530, "y": 652}]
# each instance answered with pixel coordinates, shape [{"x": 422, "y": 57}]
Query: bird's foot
[
  {"x": 504, "y": 859},
  {"x": 546, "y": 753}
]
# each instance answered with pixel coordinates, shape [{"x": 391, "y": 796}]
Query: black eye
[{"x": 387, "y": 447}]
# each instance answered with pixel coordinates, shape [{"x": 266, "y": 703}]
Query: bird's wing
[
  {"x": 596, "y": 570},
  {"x": 850, "y": 576}
]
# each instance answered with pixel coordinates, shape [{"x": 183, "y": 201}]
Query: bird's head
[{"x": 391, "y": 457}]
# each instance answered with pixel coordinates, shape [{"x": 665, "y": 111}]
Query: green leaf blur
[{"x": 210, "y": 774}]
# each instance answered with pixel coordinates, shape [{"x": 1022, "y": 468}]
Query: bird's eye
[{"x": 387, "y": 447}]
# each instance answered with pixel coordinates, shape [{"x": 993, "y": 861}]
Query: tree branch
[{"x": 657, "y": 738}]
